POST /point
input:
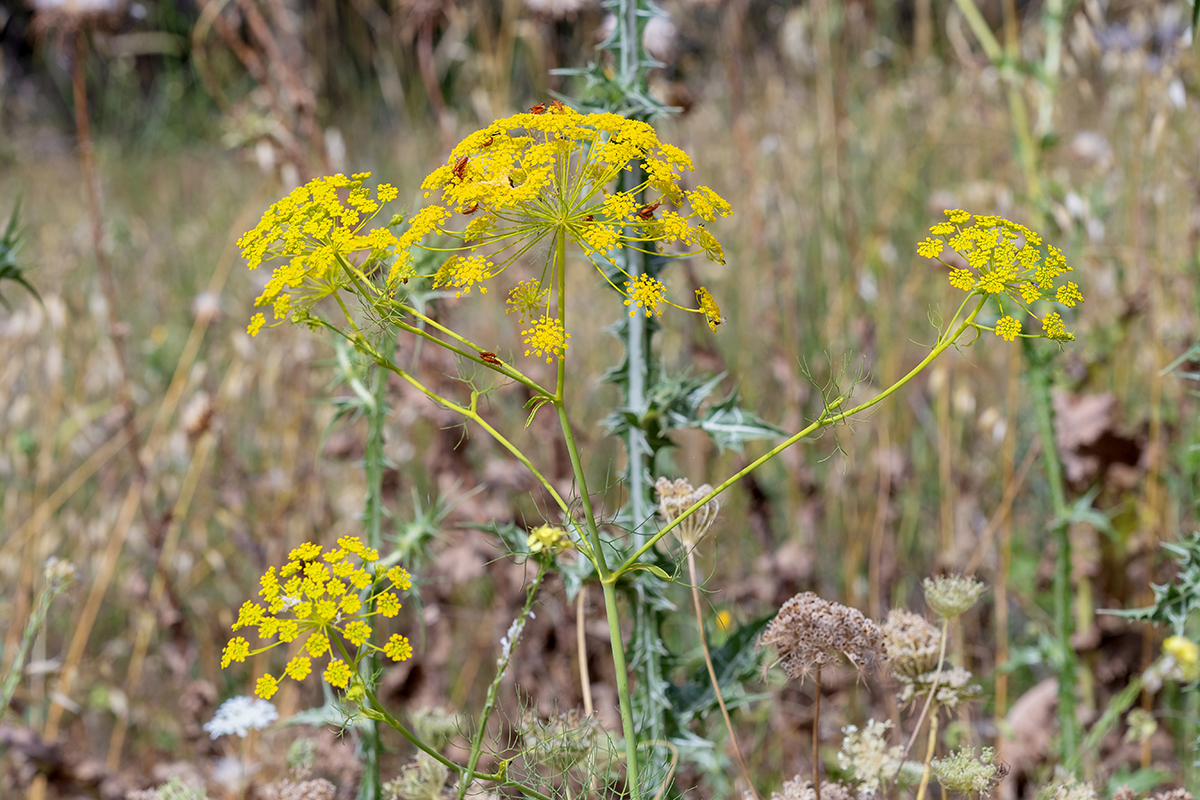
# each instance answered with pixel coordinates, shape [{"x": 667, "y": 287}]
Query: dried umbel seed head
[
  {"x": 951, "y": 595},
  {"x": 677, "y": 496},
  {"x": 1067, "y": 787},
  {"x": 1173, "y": 794},
  {"x": 319, "y": 789},
  {"x": 963, "y": 771},
  {"x": 911, "y": 643},
  {"x": 811, "y": 632},
  {"x": 797, "y": 789},
  {"x": 953, "y": 687}
]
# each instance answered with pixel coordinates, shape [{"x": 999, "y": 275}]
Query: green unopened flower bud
[{"x": 951, "y": 595}]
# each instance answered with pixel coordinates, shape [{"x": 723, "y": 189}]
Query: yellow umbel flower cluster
[
  {"x": 321, "y": 229},
  {"x": 1004, "y": 260},
  {"x": 319, "y": 597},
  {"x": 551, "y": 175}
]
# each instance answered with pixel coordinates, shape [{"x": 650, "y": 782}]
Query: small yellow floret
[
  {"x": 646, "y": 292},
  {"x": 266, "y": 686},
  {"x": 1007, "y": 328},
  {"x": 930, "y": 248},
  {"x": 337, "y": 673},
  {"x": 298, "y": 668},
  {"x": 548, "y": 538},
  {"x": 546, "y": 336},
  {"x": 398, "y": 648}
]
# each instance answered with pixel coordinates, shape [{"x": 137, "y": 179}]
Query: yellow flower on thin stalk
[
  {"x": 316, "y": 594},
  {"x": 1004, "y": 259}
]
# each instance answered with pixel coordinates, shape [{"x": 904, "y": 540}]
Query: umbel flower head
[
  {"x": 811, "y": 632},
  {"x": 911, "y": 644},
  {"x": 677, "y": 496},
  {"x": 1004, "y": 260},
  {"x": 964, "y": 771},
  {"x": 319, "y": 232},
  {"x": 317, "y": 596},
  {"x": 550, "y": 176},
  {"x": 951, "y": 687},
  {"x": 952, "y": 595}
]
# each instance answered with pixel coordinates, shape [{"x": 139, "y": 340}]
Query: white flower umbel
[{"x": 241, "y": 715}]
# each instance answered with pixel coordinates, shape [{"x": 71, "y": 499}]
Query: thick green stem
[
  {"x": 622, "y": 675},
  {"x": 825, "y": 420},
  {"x": 501, "y": 666},
  {"x": 616, "y": 643},
  {"x": 1039, "y": 377}
]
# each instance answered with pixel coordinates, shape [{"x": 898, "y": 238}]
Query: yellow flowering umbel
[
  {"x": 321, "y": 231},
  {"x": 1004, "y": 260},
  {"x": 319, "y": 597},
  {"x": 551, "y": 177}
]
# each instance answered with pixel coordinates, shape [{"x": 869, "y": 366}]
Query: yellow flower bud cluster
[
  {"x": 1004, "y": 260},
  {"x": 320, "y": 597}
]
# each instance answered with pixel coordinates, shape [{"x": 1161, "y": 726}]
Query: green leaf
[
  {"x": 10, "y": 267},
  {"x": 657, "y": 571},
  {"x": 1174, "y": 602}
]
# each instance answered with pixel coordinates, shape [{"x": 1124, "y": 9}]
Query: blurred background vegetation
[{"x": 147, "y": 438}]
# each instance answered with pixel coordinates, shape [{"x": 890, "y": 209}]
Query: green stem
[
  {"x": 825, "y": 420},
  {"x": 622, "y": 676},
  {"x": 471, "y": 354},
  {"x": 501, "y": 668},
  {"x": 1039, "y": 378},
  {"x": 616, "y": 644}
]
